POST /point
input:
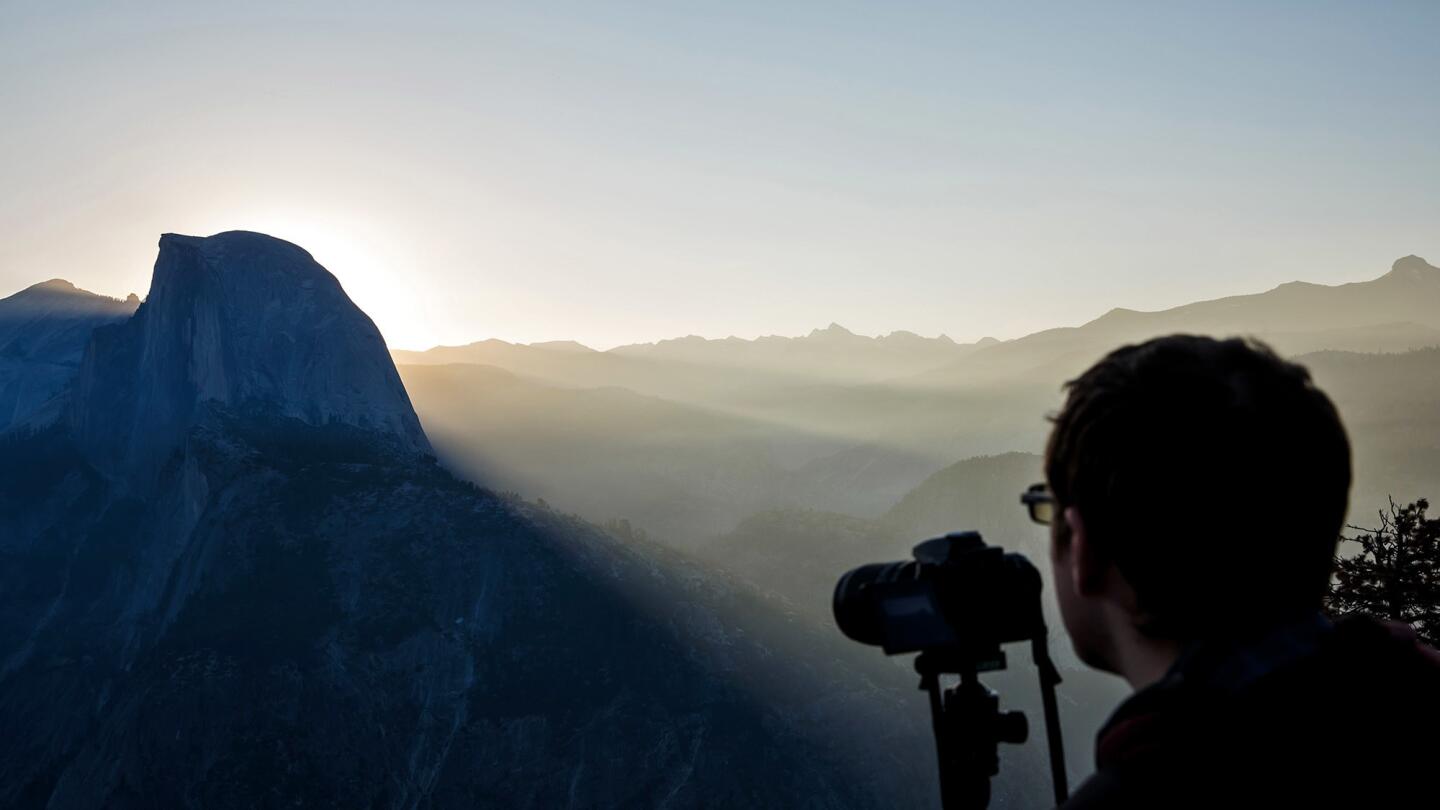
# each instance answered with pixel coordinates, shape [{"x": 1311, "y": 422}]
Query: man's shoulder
[
  {"x": 1361, "y": 634},
  {"x": 1374, "y": 671},
  {"x": 1324, "y": 727}
]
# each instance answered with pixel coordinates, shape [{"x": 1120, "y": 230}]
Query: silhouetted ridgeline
[
  {"x": 688, "y": 438},
  {"x": 231, "y": 576}
]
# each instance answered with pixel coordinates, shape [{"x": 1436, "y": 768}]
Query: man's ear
[{"x": 1087, "y": 565}]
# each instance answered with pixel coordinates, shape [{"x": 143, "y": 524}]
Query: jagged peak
[
  {"x": 686, "y": 340},
  {"x": 908, "y": 338},
  {"x": 834, "y": 330},
  {"x": 1412, "y": 267},
  {"x": 562, "y": 346},
  {"x": 1118, "y": 313}
]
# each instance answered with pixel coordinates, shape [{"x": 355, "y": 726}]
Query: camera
[
  {"x": 958, "y": 596},
  {"x": 956, "y": 603}
]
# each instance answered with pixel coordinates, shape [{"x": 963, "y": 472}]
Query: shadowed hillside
[
  {"x": 683, "y": 472},
  {"x": 1391, "y": 406}
]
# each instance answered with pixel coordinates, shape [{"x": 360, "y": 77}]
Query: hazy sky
[{"x": 614, "y": 172}]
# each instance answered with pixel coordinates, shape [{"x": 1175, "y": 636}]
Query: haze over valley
[{"x": 686, "y": 438}]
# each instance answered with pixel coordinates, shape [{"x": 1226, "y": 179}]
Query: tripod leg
[
  {"x": 964, "y": 721},
  {"x": 1049, "y": 678},
  {"x": 930, "y": 682}
]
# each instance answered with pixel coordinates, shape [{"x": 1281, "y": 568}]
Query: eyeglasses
[{"x": 1040, "y": 503}]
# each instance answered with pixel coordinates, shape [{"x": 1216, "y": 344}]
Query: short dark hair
[{"x": 1214, "y": 474}]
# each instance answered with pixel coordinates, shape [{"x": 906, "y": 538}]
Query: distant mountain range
[
  {"x": 231, "y": 575},
  {"x": 832, "y": 354},
  {"x": 698, "y": 434},
  {"x": 1397, "y": 311}
]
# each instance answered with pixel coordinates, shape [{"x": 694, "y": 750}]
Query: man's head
[{"x": 1200, "y": 488}]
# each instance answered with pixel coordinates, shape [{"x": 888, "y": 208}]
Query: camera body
[
  {"x": 956, "y": 603},
  {"x": 957, "y": 598}
]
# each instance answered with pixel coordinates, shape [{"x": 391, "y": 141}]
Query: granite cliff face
[
  {"x": 233, "y": 576},
  {"x": 242, "y": 321},
  {"x": 43, "y": 333}
]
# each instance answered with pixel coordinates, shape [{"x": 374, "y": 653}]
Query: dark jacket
[{"x": 1310, "y": 714}]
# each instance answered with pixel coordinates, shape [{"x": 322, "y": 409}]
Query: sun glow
[{"x": 361, "y": 254}]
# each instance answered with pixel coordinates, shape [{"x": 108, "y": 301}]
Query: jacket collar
[{"x": 1204, "y": 670}]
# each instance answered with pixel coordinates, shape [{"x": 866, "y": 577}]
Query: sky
[{"x": 615, "y": 172}]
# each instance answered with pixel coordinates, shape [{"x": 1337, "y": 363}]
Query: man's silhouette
[{"x": 1196, "y": 490}]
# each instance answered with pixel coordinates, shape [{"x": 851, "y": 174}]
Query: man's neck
[{"x": 1142, "y": 660}]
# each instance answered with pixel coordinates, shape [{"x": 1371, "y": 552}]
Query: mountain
[
  {"x": 833, "y": 353},
  {"x": 1397, "y": 311},
  {"x": 981, "y": 493},
  {"x": 231, "y": 575},
  {"x": 238, "y": 320},
  {"x": 43, "y": 332},
  {"x": 725, "y": 371}
]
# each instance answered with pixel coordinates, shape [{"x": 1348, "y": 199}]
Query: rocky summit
[
  {"x": 231, "y": 575},
  {"x": 43, "y": 333},
  {"x": 242, "y": 321}
]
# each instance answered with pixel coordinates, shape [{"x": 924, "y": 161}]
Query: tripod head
[{"x": 969, "y": 725}]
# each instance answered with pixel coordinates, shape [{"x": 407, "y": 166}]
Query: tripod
[{"x": 969, "y": 725}]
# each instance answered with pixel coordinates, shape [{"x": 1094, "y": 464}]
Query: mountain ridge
[
  {"x": 833, "y": 330},
  {"x": 1297, "y": 317},
  {"x": 1410, "y": 267}
]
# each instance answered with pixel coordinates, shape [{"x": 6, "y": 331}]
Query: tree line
[{"x": 1392, "y": 571}]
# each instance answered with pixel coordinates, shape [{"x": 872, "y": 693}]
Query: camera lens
[{"x": 857, "y": 604}]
